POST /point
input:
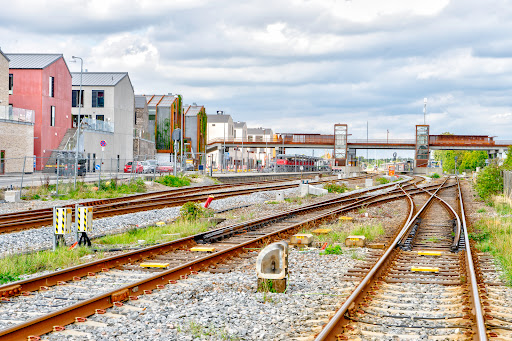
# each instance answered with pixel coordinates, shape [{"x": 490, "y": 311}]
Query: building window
[
  {"x": 52, "y": 116},
  {"x": 100, "y": 117},
  {"x": 213, "y": 125},
  {"x": 11, "y": 83},
  {"x": 98, "y": 99},
  {"x": 75, "y": 100},
  {"x": 51, "y": 91}
]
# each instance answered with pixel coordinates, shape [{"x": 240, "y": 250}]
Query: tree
[
  {"x": 489, "y": 181},
  {"x": 507, "y": 164}
]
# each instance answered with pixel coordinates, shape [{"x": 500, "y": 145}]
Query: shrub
[
  {"x": 435, "y": 176},
  {"x": 173, "y": 181},
  {"x": 332, "y": 250},
  {"x": 489, "y": 182},
  {"x": 334, "y": 188},
  {"x": 194, "y": 210}
]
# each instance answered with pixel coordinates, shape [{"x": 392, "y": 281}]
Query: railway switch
[
  {"x": 272, "y": 268},
  {"x": 61, "y": 224},
  {"x": 83, "y": 223}
]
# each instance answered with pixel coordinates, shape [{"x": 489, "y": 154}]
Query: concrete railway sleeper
[
  {"x": 110, "y": 274},
  {"x": 426, "y": 289}
]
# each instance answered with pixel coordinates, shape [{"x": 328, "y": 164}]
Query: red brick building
[{"x": 42, "y": 82}]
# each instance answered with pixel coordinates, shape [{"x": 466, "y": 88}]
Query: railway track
[
  {"x": 80, "y": 291},
  {"x": 424, "y": 287},
  {"x": 24, "y": 220}
]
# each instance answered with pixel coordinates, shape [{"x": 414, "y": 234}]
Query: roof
[
  {"x": 257, "y": 131},
  {"x": 32, "y": 60},
  {"x": 98, "y": 78},
  {"x": 192, "y": 110},
  {"x": 160, "y": 100},
  {"x": 140, "y": 102},
  {"x": 4, "y": 55},
  {"x": 239, "y": 124},
  {"x": 218, "y": 118}
]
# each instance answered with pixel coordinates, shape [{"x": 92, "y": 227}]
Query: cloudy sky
[{"x": 295, "y": 65}]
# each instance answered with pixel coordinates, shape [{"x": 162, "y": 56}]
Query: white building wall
[{"x": 119, "y": 110}]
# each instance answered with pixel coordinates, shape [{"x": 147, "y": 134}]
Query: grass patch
[
  {"x": 332, "y": 250},
  {"x": 383, "y": 181},
  {"x": 272, "y": 202},
  {"x": 156, "y": 234},
  {"x": 173, "y": 181},
  {"x": 17, "y": 265},
  {"x": 335, "y": 188},
  {"x": 107, "y": 189},
  {"x": 294, "y": 200},
  {"x": 435, "y": 176},
  {"x": 494, "y": 235},
  {"x": 211, "y": 332},
  {"x": 481, "y": 210},
  {"x": 371, "y": 232},
  {"x": 433, "y": 240}
]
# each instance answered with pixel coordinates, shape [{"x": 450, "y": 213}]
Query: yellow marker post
[
  {"x": 424, "y": 269},
  {"x": 430, "y": 253},
  {"x": 202, "y": 249},
  {"x": 154, "y": 265},
  {"x": 321, "y": 231}
]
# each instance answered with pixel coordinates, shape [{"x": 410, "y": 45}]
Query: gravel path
[
  {"x": 41, "y": 238},
  {"x": 227, "y": 307}
]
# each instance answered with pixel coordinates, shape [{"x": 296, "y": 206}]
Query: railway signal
[
  {"x": 61, "y": 224},
  {"x": 83, "y": 223}
]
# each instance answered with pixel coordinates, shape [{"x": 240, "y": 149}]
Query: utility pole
[
  {"x": 425, "y": 110},
  {"x": 366, "y": 141},
  {"x": 78, "y": 121}
]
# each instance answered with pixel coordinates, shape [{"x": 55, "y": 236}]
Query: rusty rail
[{"x": 333, "y": 326}]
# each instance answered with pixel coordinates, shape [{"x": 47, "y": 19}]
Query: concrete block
[
  {"x": 355, "y": 241},
  {"x": 301, "y": 239},
  {"x": 339, "y": 176},
  {"x": 317, "y": 178},
  {"x": 368, "y": 182},
  {"x": 477, "y": 169},
  {"x": 317, "y": 191},
  {"x": 303, "y": 190},
  {"x": 12, "y": 196},
  {"x": 280, "y": 196},
  {"x": 354, "y": 174}
]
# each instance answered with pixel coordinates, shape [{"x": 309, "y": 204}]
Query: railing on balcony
[
  {"x": 17, "y": 114},
  {"x": 97, "y": 125}
]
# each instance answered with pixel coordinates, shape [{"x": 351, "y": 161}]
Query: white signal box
[
  {"x": 62, "y": 220},
  {"x": 84, "y": 219}
]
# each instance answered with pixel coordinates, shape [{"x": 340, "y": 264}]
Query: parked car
[
  {"x": 138, "y": 167},
  {"x": 165, "y": 167},
  {"x": 149, "y": 166}
]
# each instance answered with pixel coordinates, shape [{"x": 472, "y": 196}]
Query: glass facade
[
  {"x": 340, "y": 141},
  {"x": 422, "y": 146}
]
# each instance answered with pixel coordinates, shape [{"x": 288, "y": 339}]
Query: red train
[{"x": 292, "y": 163}]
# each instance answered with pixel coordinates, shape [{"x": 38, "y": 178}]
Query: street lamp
[
  {"x": 78, "y": 121},
  {"x": 424, "y": 110}
]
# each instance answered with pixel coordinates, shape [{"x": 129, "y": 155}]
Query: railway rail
[
  {"x": 24, "y": 220},
  {"x": 424, "y": 286},
  {"x": 110, "y": 273}
]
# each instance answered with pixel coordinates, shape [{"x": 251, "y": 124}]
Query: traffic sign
[
  {"x": 97, "y": 167},
  {"x": 103, "y": 143}
]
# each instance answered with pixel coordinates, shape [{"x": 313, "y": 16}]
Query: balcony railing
[
  {"x": 97, "y": 125},
  {"x": 17, "y": 114}
]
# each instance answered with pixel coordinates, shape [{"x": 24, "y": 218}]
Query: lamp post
[
  {"x": 424, "y": 110},
  {"x": 78, "y": 121}
]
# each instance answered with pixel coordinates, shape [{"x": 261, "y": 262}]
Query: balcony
[
  {"x": 17, "y": 115},
  {"x": 92, "y": 124}
]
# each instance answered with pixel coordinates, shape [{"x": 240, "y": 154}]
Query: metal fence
[
  {"x": 507, "y": 183},
  {"x": 58, "y": 173}
]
